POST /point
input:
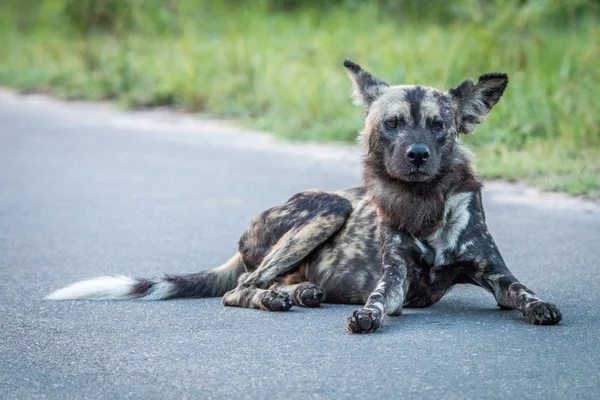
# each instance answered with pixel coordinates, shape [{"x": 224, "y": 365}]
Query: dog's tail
[{"x": 211, "y": 283}]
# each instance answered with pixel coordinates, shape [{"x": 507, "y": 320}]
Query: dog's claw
[
  {"x": 542, "y": 313},
  {"x": 309, "y": 295},
  {"x": 363, "y": 321},
  {"x": 276, "y": 301}
]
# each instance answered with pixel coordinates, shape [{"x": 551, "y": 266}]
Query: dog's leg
[
  {"x": 253, "y": 297},
  {"x": 292, "y": 248},
  {"x": 387, "y": 298},
  {"x": 484, "y": 264},
  {"x": 304, "y": 294},
  {"x": 510, "y": 293}
]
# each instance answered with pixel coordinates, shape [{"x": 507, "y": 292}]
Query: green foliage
[{"x": 277, "y": 65}]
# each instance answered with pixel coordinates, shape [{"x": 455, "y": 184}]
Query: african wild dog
[{"x": 414, "y": 230}]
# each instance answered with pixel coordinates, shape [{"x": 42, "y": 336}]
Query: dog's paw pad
[
  {"x": 309, "y": 295},
  {"x": 542, "y": 313},
  {"x": 275, "y": 301},
  {"x": 363, "y": 321}
]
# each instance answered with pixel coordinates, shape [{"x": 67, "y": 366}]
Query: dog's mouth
[
  {"x": 418, "y": 176},
  {"x": 402, "y": 171},
  {"x": 411, "y": 176}
]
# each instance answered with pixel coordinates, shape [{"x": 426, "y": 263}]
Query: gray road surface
[{"x": 86, "y": 191}]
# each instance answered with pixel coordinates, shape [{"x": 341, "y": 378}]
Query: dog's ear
[
  {"x": 366, "y": 88},
  {"x": 475, "y": 101}
]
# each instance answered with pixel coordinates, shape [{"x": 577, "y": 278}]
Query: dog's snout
[{"x": 418, "y": 154}]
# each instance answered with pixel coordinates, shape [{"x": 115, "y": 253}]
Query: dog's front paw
[
  {"x": 542, "y": 313},
  {"x": 363, "y": 321},
  {"x": 275, "y": 301},
  {"x": 308, "y": 295}
]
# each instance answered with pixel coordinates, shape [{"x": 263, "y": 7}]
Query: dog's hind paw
[
  {"x": 275, "y": 301},
  {"x": 363, "y": 321},
  {"x": 542, "y": 313},
  {"x": 308, "y": 295}
]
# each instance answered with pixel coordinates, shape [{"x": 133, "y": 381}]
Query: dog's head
[{"x": 411, "y": 131}]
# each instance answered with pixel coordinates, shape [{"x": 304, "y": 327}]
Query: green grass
[{"x": 281, "y": 70}]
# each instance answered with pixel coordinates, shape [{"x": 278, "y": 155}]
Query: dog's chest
[{"x": 442, "y": 244}]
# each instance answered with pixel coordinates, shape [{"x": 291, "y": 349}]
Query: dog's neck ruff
[{"x": 418, "y": 208}]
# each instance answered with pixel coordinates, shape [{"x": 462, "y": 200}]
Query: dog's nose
[{"x": 418, "y": 154}]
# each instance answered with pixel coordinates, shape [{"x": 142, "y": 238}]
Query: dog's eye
[
  {"x": 395, "y": 123},
  {"x": 392, "y": 124},
  {"x": 437, "y": 124}
]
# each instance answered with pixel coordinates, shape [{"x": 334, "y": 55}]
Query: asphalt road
[{"x": 85, "y": 191}]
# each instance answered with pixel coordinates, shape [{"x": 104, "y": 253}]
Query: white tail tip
[{"x": 102, "y": 288}]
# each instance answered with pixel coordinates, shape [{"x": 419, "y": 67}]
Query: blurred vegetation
[{"x": 276, "y": 65}]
